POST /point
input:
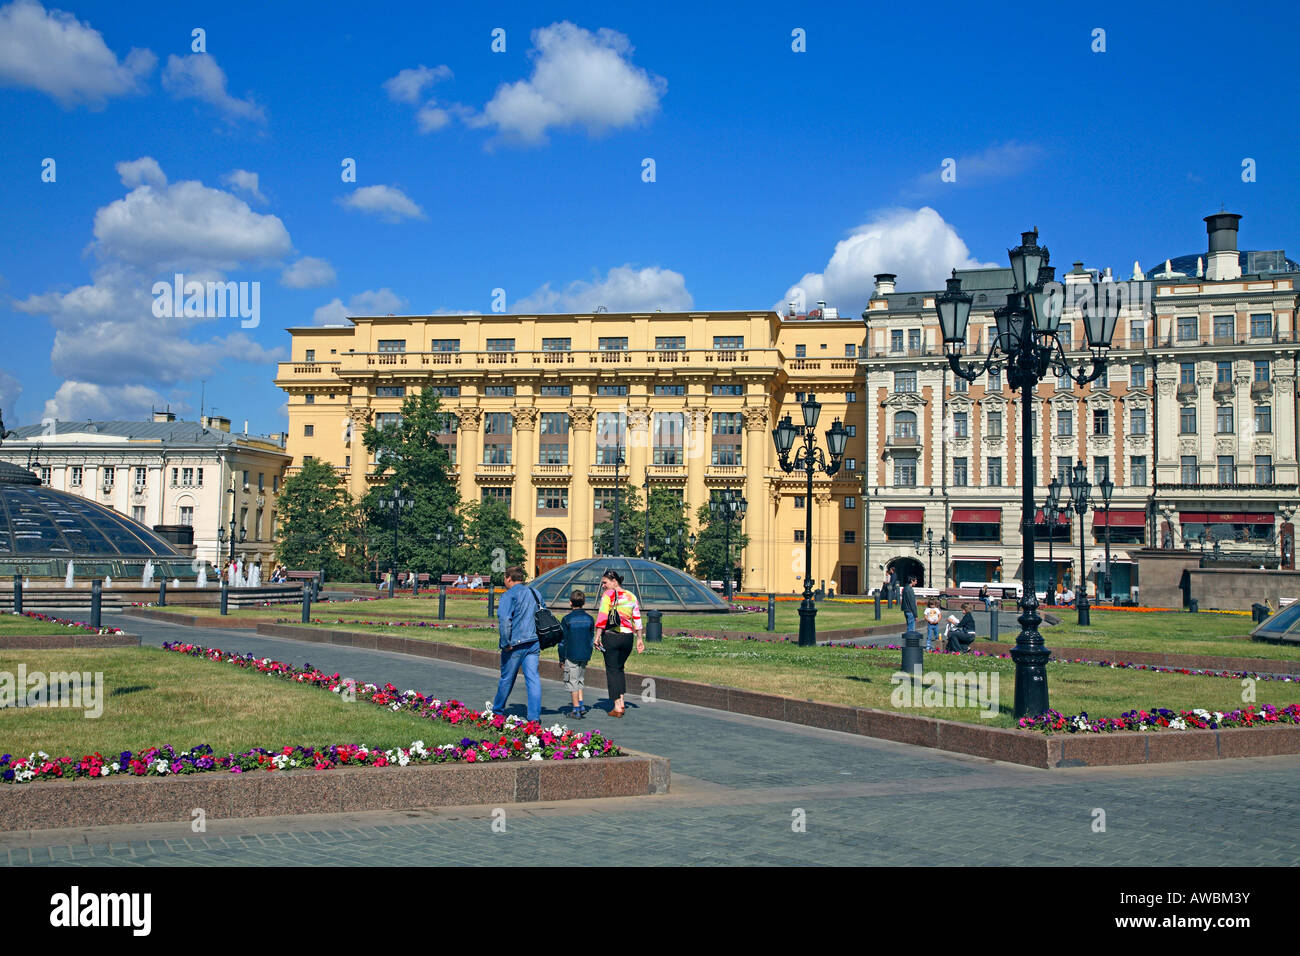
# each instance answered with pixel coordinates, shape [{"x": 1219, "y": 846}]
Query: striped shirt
[{"x": 629, "y": 610}]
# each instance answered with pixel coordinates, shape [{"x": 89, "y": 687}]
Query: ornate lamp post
[
  {"x": 1107, "y": 489},
  {"x": 809, "y": 459},
  {"x": 396, "y": 502},
  {"x": 730, "y": 506},
  {"x": 645, "y": 549},
  {"x": 1027, "y": 342},
  {"x": 618, "y": 494},
  {"x": 928, "y": 547},
  {"x": 1051, "y": 512},
  {"x": 1080, "y": 489}
]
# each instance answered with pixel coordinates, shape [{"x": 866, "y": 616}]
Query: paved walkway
[{"x": 740, "y": 784}]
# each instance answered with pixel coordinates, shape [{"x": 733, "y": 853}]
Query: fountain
[
  {"x": 67, "y": 581},
  {"x": 231, "y": 570},
  {"x": 176, "y": 582},
  {"x": 255, "y": 576},
  {"x": 147, "y": 578},
  {"x": 108, "y": 581},
  {"x": 202, "y": 580}
]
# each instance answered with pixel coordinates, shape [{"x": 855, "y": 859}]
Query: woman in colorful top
[{"x": 616, "y": 642}]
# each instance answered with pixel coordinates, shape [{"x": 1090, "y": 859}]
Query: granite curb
[{"x": 45, "y": 642}]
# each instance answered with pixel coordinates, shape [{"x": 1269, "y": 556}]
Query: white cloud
[
  {"x": 371, "y": 302},
  {"x": 308, "y": 273},
  {"x": 430, "y": 118},
  {"x": 198, "y": 77},
  {"x": 914, "y": 244},
  {"x": 77, "y": 401},
  {"x": 408, "y": 85},
  {"x": 996, "y": 162},
  {"x": 387, "y": 202},
  {"x": 144, "y": 171},
  {"x": 59, "y": 55},
  {"x": 245, "y": 182},
  {"x": 580, "y": 79},
  {"x": 624, "y": 289}
]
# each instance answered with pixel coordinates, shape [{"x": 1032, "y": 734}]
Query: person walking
[
  {"x": 908, "y": 604},
  {"x": 892, "y": 586},
  {"x": 618, "y": 621},
  {"x": 575, "y": 650},
  {"x": 520, "y": 649}
]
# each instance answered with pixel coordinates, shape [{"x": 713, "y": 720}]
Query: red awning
[
  {"x": 904, "y": 516},
  {"x": 1225, "y": 517},
  {"x": 1256, "y": 517},
  {"x": 1120, "y": 518},
  {"x": 977, "y": 558},
  {"x": 1062, "y": 517},
  {"x": 976, "y": 515}
]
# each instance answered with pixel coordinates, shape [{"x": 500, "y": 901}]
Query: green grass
[
  {"x": 21, "y": 624},
  {"x": 1175, "y": 632},
  {"x": 154, "y": 697}
]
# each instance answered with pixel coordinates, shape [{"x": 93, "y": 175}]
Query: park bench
[{"x": 305, "y": 576}]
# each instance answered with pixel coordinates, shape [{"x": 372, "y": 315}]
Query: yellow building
[{"x": 543, "y": 404}]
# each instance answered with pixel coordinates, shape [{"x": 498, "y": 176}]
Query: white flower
[
  {"x": 161, "y": 766},
  {"x": 536, "y": 756},
  {"x": 104, "y": 771},
  {"x": 556, "y": 729}
]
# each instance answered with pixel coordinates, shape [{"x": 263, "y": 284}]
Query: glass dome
[
  {"x": 657, "y": 586},
  {"x": 1283, "y": 626}
]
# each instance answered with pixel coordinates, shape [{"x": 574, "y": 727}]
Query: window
[
  {"x": 1186, "y": 373},
  {"x": 1102, "y": 382},
  {"x": 670, "y": 343},
  {"x": 308, "y": 431},
  {"x": 390, "y": 391},
  {"x": 443, "y": 391},
  {"x": 850, "y": 502},
  {"x": 914, "y": 340},
  {"x": 557, "y": 345},
  {"x": 502, "y": 495},
  {"x": 1137, "y": 376},
  {"x": 199, "y": 478},
  {"x": 799, "y": 501},
  {"x": 392, "y": 345},
  {"x": 1063, "y": 466},
  {"x": 386, "y": 420},
  {"x": 851, "y": 431},
  {"x": 1263, "y": 419},
  {"x": 499, "y": 391},
  {"x": 444, "y": 345},
  {"x": 1066, "y": 332},
  {"x": 552, "y": 500},
  {"x": 798, "y": 535},
  {"x": 729, "y": 342},
  {"x": 960, "y": 385},
  {"x": 261, "y": 482},
  {"x": 141, "y": 475},
  {"x": 959, "y": 425},
  {"x": 905, "y": 381},
  {"x": 556, "y": 391},
  {"x": 275, "y": 484},
  {"x": 1187, "y": 328},
  {"x": 612, "y": 344},
  {"x": 736, "y": 390},
  {"x": 1187, "y": 420},
  {"x": 850, "y": 537},
  {"x": 611, "y": 390},
  {"x": 801, "y": 351},
  {"x": 850, "y": 397},
  {"x": 553, "y": 439},
  {"x": 670, "y": 390},
  {"x": 1101, "y": 421},
  {"x": 995, "y": 472},
  {"x": 669, "y": 431},
  {"x": 995, "y": 380},
  {"x": 309, "y": 398},
  {"x": 995, "y": 424},
  {"x": 905, "y": 472},
  {"x": 850, "y": 464},
  {"x": 960, "y": 473},
  {"x": 1137, "y": 333},
  {"x": 1261, "y": 325},
  {"x": 850, "y": 351},
  {"x": 137, "y": 513},
  {"x": 798, "y": 396},
  {"x": 1189, "y": 471},
  {"x": 1263, "y": 469},
  {"x": 498, "y": 429},
  {"x": 257, "y": 526},
  {"x": 1223, "y": 419},
  {"x": 176, "y": 477},
  {"x": 1227, "y": 469},
  {"x": 1064, "y": 421},
  {"x": 1100, "y": 470},
  {"x": 110, "y": 476},
  {"x": 611, "y": 436},
  {"x": 311, "y": 355},
  {"x": 896, "y": 340},
  {"x": 1137, "y": 470},
  {"x": 187, "y": 515},
  {"x": 500, "y": 345},
  {"x": 727, "y": 430},
  {"x": 1223, "y": 328},
  {"x": 1138, "y": 421},
  {"x": 1223, "y": 373}
]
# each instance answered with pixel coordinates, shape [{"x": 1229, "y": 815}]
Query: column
[
  {"x": 827, "y": 545},
  {"x": 469, "y": 451},
  {"x": 697, "y": 449},
  {"x": 581, "y": 459},
  {"x": 524, "y": 456},
  {"x": 758, "y": 517},
  {"x": 637, "y": 454}
]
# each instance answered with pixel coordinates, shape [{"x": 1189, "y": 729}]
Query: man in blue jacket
[{"x": 517, "y": 628}]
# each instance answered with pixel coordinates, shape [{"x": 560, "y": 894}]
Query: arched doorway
[
  {"x": 552, "y": 550},
  {"x": 904, "y": 567}
]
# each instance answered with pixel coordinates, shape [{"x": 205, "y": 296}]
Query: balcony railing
[
  {"x": 1213, "y": 486},
  {"x": 699, "y": 358},
  {"x": 907, "y": 441}
]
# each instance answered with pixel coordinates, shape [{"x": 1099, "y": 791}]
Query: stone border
[
  {"x": 1261, "y": 665},
  {"x": 53, "y": 804},
  {"x": 1030, "y": 748},
  {"x": 190, "y": 620},
  {"x": 44, "y": 642}
]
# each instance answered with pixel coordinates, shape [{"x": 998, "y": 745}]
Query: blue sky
[{"x": 523, "y": 169}]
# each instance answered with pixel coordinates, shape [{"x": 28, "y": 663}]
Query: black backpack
[{"x": 549, "y": 631}]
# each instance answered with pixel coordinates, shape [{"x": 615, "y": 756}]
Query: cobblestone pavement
[{"x": 744, "y": 791}]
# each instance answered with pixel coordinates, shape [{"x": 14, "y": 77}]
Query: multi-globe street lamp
[
  {"x": 809, "y": 459},
  {"x": 729, "y": 505},
  {"x": 1028, "y": 340},
  {"x": 221, "y": 532},
  {"x": 452, "y": 541},
  {"x": 1081, "y": 491},
  {"x": 396, "y": 502},
  {"x": 928, "y": 547},
  {"x": 1107, "y": 489},
  {"x": 1051, "y": 514}
]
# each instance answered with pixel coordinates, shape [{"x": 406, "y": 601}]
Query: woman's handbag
[{"x": 613, "y": 622}]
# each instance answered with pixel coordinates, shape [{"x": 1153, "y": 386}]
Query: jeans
[
  {"x": 931, "y": 632},
  {"x": 910, "y": 618},
  {"x": 512, "y": 659}
]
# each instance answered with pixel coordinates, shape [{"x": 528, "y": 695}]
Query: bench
[
  {"x": 305, "y": 576},
  {"x": 404, "y": 578}
]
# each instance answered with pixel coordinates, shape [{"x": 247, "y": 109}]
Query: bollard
[
  {"x": 877, "y": 605},
  {"x": 912, "y": 653},
  {"x": 492, "y": 599},
  {"x": 415, "y": 584},
  {"x": 225, "y": 597},
  {"x": 392, "y": 583},
  {"x": 162, "y": 592},
  {"x": 1193, "y": 605},
  {"x": 771, "y": 612},
  {"x": 442, "y": 602},
  {"x": 654, "y": 625},
  {"x": 306, "y": 603},
  {"x": 18, "y": 594},
  {"x": 96, "y": 599}
]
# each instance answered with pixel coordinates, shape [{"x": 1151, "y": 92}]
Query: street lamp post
[
  {"x": 928, "y": 547},
  {"x": 1027, "y": 340},
  {"x": 1107, "y": 489},
  {"x": 396, "y": 502},
  {"x": 809, "y": 459},
  {"x": 730, "y": 506},
  {"x": 646, "y": 486},
  {"x": 1052, "y": 512},
  {"x": 618, "y": 494},
  {"x": 1080, "y": 489}
]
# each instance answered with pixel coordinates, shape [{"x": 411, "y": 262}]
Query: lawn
[
  {"x": 1177, "y": 632},
  {"x": 21, "y": 624},
  {"x": 155, "y": 697}
]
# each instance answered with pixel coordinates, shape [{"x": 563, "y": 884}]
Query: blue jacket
[
  {"x": 516, "y": 621},
  {"x": 579, "y": 636}
]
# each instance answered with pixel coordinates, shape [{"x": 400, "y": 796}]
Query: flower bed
[
  {"x": 1160, "y": 718},
  {"x": 511, "y": 738},
  {"x": 76, "y": 625}
]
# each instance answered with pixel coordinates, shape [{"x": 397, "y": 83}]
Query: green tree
[
  {"x": 318, "y": 520},
  {"x": 493, "y": 540},
  {"x": 412, "y": 459},
  {"x": 630, "y": 524},
  {"x": 668, "y": 528},
  {"x": 710, "y": 552}
]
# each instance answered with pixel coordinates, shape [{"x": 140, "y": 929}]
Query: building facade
[{"x": 184, "y": 478}]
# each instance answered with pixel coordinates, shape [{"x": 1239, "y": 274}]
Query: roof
[{"x": 171, "y": 433}]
